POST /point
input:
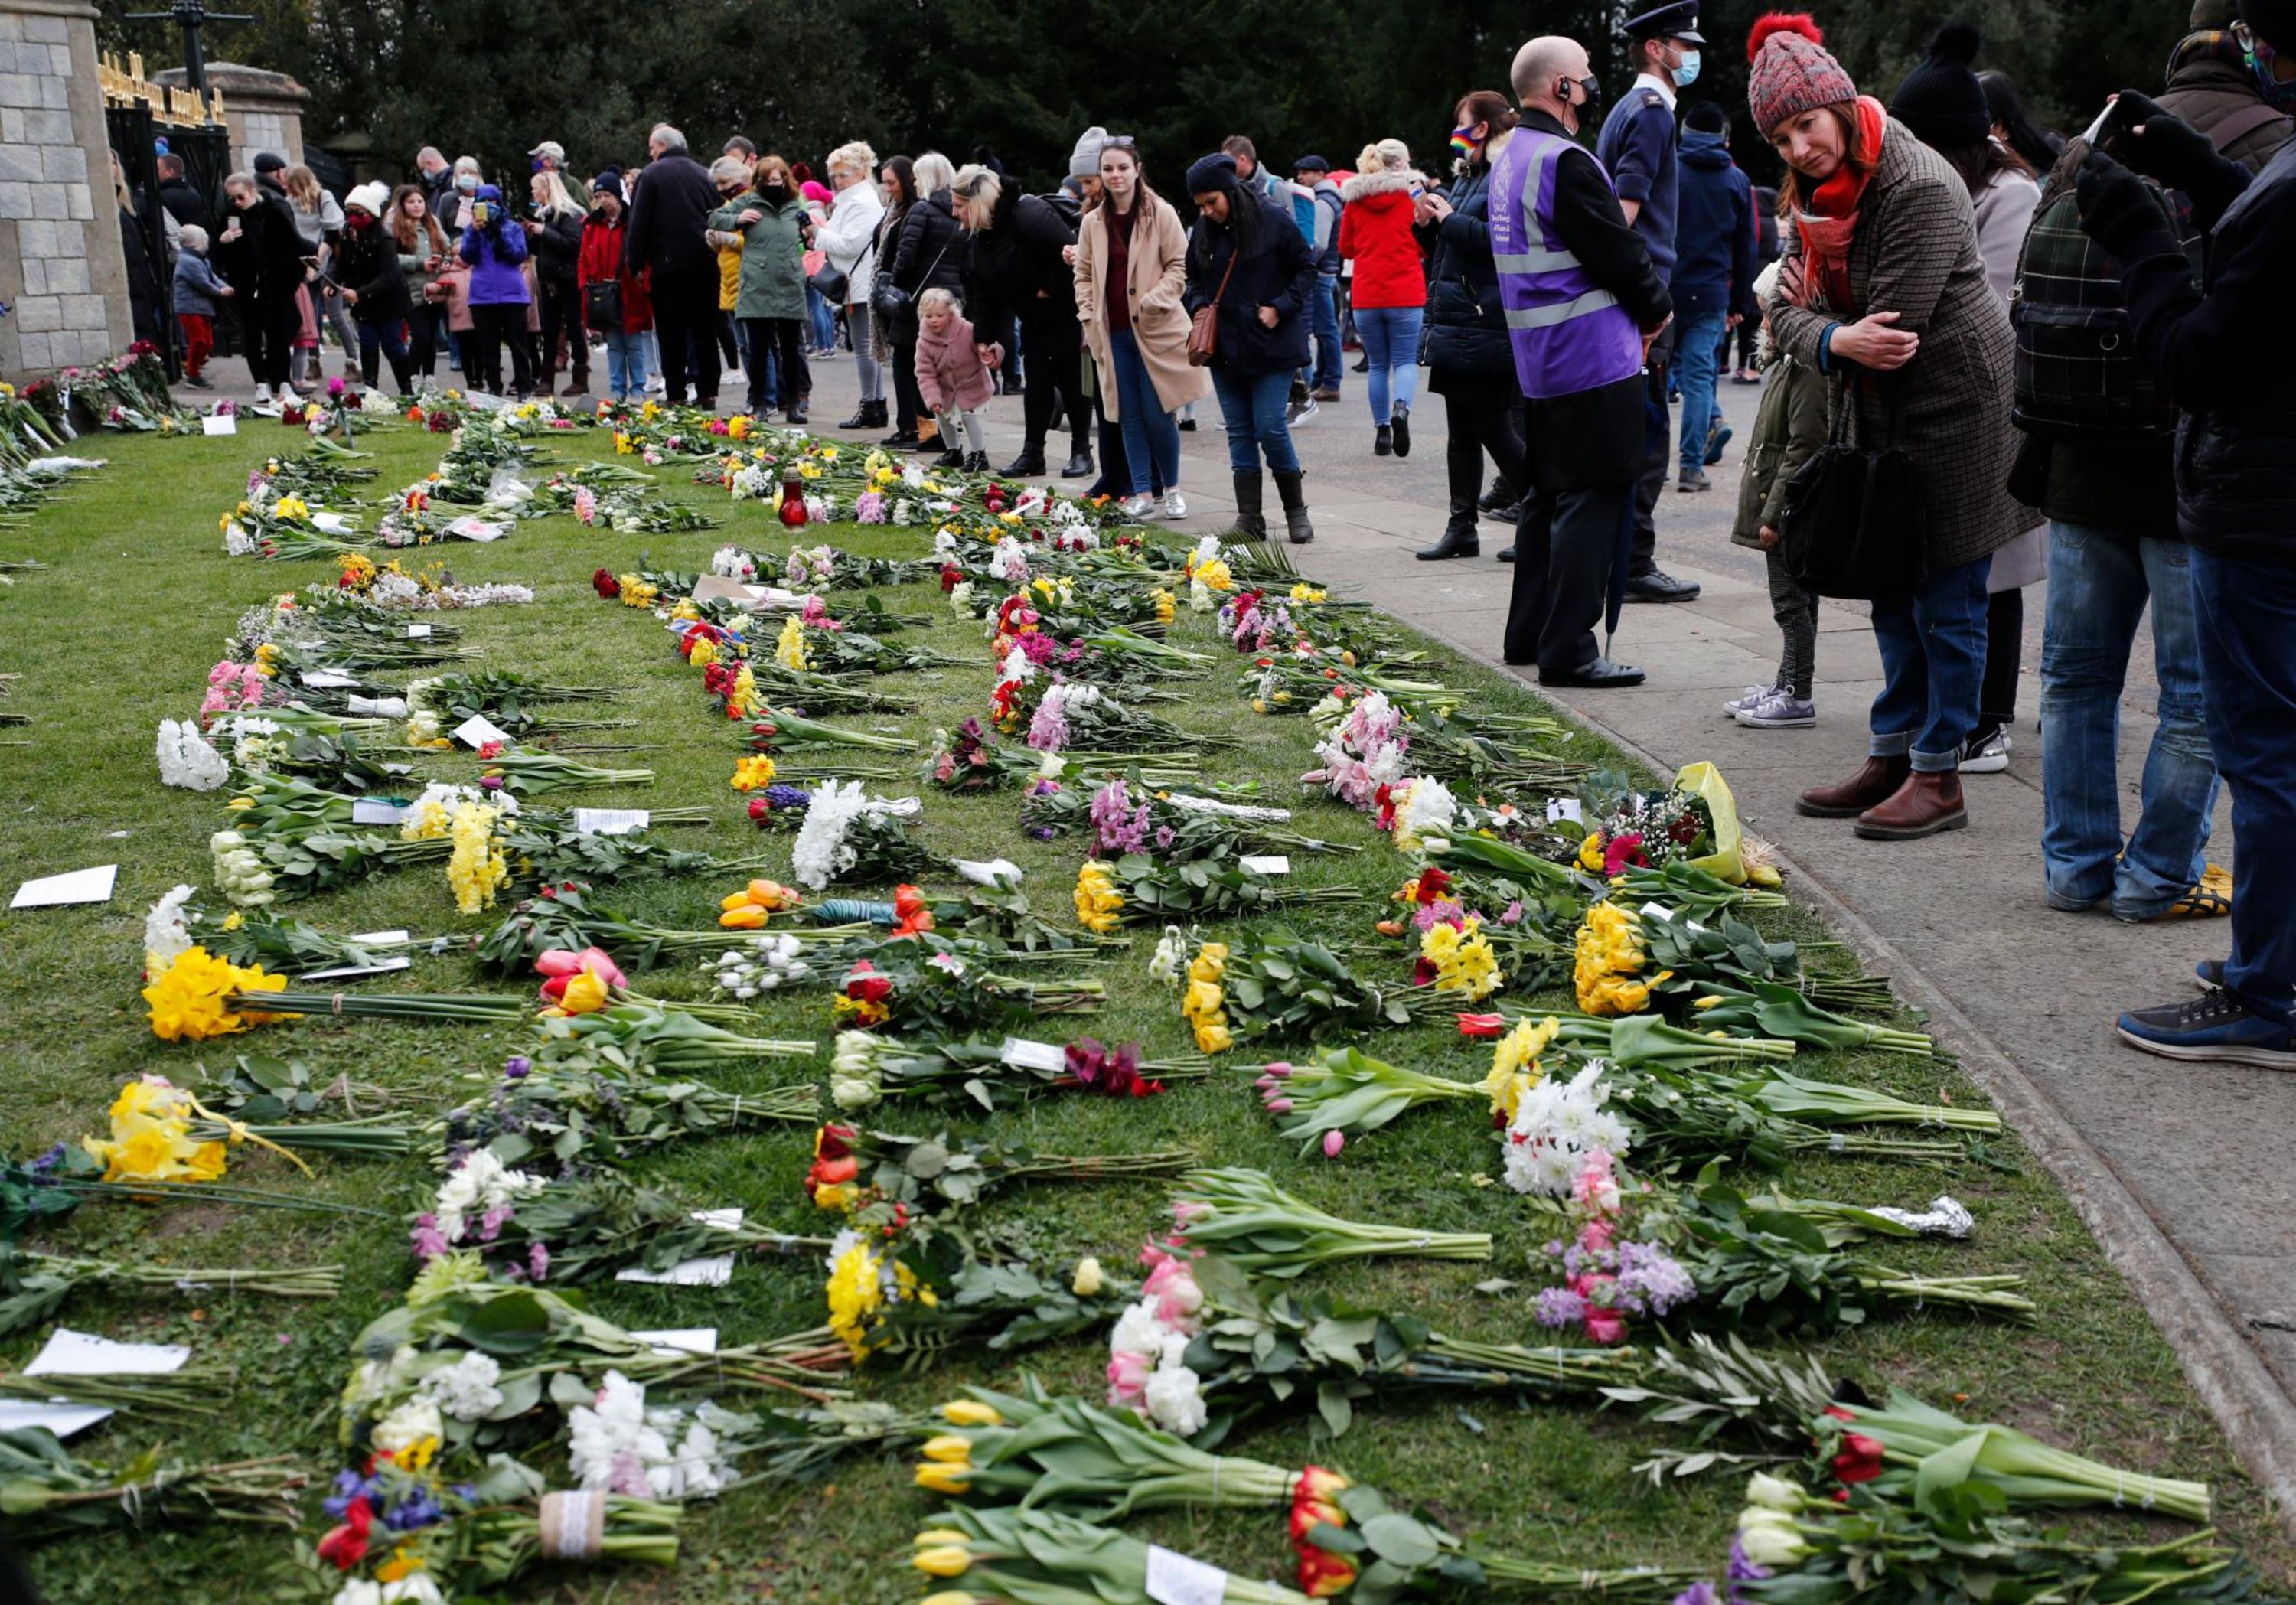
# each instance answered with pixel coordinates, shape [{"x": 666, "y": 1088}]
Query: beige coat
[{"x": 1157, "y": 276}]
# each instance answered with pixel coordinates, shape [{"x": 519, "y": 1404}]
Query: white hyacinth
[
  {"x": 186, "y": 760},
  {"x": 166, "y": 934}
]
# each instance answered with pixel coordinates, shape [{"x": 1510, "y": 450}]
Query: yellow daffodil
[
  {"x": 1590, "y": 855},
  {"x": 1515, "y": 1067},
  {"x": 789, "y": 652},
  {"x": 186, "y": 998},
  {"x": 1099, "y": 905},
  {"x": 856, "y": 1293},
  {"x": 753, "y": 774}
]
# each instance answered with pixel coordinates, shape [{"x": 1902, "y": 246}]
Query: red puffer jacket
[
  {"x": 601, "y": 258},
  {"x": 1376, "y": 236}
]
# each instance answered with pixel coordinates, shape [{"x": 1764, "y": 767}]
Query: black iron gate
[{"x": 206, "y": 154}]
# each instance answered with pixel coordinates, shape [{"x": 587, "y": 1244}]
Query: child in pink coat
[{"x": 952, "y": 379}]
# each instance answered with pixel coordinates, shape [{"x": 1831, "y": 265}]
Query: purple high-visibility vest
[{"x": 1567, "y": 332}]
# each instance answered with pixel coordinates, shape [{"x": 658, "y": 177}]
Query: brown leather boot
[
  {"x": 1874, "y": 782},
  {"x": 1923, "y": 805}
]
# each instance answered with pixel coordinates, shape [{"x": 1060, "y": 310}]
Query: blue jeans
[
  {"x": 1151, "y": 440},
  {"x": 2098, "y": 583},
  {"x": 1697, "y": 344},
  {"x": 2247, "y": 618},
  {"x": 1253, "y": 407},
  {"x": 823, "y": 319},
  {"x": 1390, "y": 342},
  {"x": 385, "y": 339},
  {"x": 1932, "y": 657},
  {"x": 1323, "y": 323},
  {"x": 626, "y": 364}
]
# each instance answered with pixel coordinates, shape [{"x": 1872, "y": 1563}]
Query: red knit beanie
[{"x": 1794, "y": 71}]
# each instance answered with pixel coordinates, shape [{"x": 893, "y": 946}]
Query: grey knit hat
[{"x": 1084, "y": 162}]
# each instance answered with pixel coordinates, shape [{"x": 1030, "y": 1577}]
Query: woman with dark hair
[
  {"x": 367, "y": 281},
  {"x": 423, "y": 249},
  {"x": 1945, "y": 106},
  {"x": 2014, "y": 127},
  {"x": 1020, "y": 275},
  {"x": 1882, "y": 289},
  {"x": 1470, "y": 364},
  {"x": 1249, "y": 261},
  {"x": 897, "y": 181}
]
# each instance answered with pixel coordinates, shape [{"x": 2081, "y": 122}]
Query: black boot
[
  {"x": 1032, "y": 461},
  {"x": 1250, "y": 499},
  {"x": 976, "y": 463},
  {"x": 1080, "y": 463},
  {"x": 1459, "y": 540},
  {"x": 1500, "y": 494},
  {"x": 951, "y": 458},
  {"x": 1295, "y": 507},
  {"x": 860, "y": 418}
]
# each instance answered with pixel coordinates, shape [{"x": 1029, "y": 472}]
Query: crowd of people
[{"x": 1992, "y": 358}]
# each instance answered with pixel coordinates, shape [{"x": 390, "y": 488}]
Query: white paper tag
[
  {"x": 79, "y": 886},
  {"x": 673, "y": 1341},
  {"x": 330, "y": 523},
  {"x": 379, "y": 939},
  {"x": 1177, "y": 1579},
  {"x": 376, "y": 811},
  {"x": 376, "y": 708},
  {"x": 70, "y": 1354},
  {"x": 1672, "y": 916},
  {"x": 1267, "y": 863},
  {"x": 991, "y": 872},
  {"x": 328, "y": 679},
  {"x": 418, "y": 632},
  {"x": 1022, "y": 1054},
  {"x": 61, "y": 1419},
  {"x": 343, "y": 972},
  {"x": 1564, "y": 808},
  {"x": 710, "y": 1271},
  {"x": 478, "y": 730},
  {"x": 609, "y": 822},
  {"x": 469, "y": 527},
  {"x": 225, "y": 425}
]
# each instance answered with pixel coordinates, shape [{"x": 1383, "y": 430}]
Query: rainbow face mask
[{"x": 1463, "y": 143}]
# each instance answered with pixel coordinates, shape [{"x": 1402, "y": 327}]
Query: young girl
[
  {"x": 1788, "y": 429},
  {"x": 952, "y": 379}
]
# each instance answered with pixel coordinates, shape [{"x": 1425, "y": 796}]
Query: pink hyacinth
[{"x": 537, "y": 1261}]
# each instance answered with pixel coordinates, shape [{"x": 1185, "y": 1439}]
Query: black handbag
[
  {"x": 602, "y": 305},
  {"x": 1856, "y": 522},
  {"x": 833, "y": 284},
  {"x": 888, "y": 302}
]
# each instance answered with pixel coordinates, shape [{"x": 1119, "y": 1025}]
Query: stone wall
[{"x": 62, "y": 270}]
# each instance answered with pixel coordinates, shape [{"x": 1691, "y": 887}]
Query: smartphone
[{"x": 2096, "y": 128}]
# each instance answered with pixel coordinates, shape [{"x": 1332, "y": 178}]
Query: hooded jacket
[
  {"x": 494, "y": 250},
  {"x": 1017, "y": 272},
  {"x": 367, "y": 262},
  {"x": 1316, "y": 208},
  {"x": 931, "y": 255},
  {"x": 773, "y": 253},
  {"x": 1713, "y": 228},
  {"x": 1376, "y": 236}
]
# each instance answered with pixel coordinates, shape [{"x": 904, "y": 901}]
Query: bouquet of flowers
[
  {"x": 1255, "y": 1225},
  {"x": 882, "y": 1178},
  {"x": 1274, "y": 983},
  {"x": 636, "y": 1037},
  {"x": 583, "y": 1118},
  {"x": 560, "y": 917},
  {"x": 866, "y": 1068},
  {"x": 288, "y": 946},
  {"x": 931, "y": 1287},
  {"x": 50, "y": 1493},
  {"x": 1135, "y": 889},
  {"x": 1124, "y": 818},
  {"x": 846, "y": 830},
  {"x": 1021, "y": 1552},
  {"x": 971, "y": 760},
  {"x": 1072, "y": 715}
]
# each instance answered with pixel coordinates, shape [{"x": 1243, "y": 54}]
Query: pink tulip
[
  {"x": 1279, "y": 1106},
  {"x": 601, "y": 964},
  {"x": 557, "y": 961},
  {"x": 1128, "y": 1379},
  {"x": 1333, "y": 1141},
  {"x": 1279, "y": 1068}
]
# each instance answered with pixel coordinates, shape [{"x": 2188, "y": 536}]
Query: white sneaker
[
  {"x": 1137, "y": 507},
  {"x": 1780, "y": 710},
  {"x": 1988, "y": 757},
  {"x": 1745, "y": 699},
  {"x": 1175, "y": 507}
]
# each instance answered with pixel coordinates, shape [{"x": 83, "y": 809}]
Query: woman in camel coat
[{"x": 1137, "y": 326}]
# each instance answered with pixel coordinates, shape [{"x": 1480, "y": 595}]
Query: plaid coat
[{"x": 1915, "y": 254}]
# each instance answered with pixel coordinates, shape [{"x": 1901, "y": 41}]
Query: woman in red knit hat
[{"x": 1883, "y": 292}]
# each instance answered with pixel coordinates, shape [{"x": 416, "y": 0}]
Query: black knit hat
[
  {"x": 1707, "y": 117},
  {"x": 1941, "y": 100},
  {"x": 1208, "y": 174},
  {"x": 2272, "y": 20}
]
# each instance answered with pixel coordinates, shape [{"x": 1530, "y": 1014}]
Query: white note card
[
  {"x": 378, "y": 811},
  {"x": 609, "y": 822},
  {"x": 673, "y": 1341},
  {"x": 418, "y": 632},
  {"x": 70, "y": 1354},
  {"x": 225, "y": 425},
  {"x": 79, "y": 886},
  {"x": 345, "y": 972},
  {"x": 990, "y": 872},
  {"x": 472, "y": 528},
  {"x": 710, "y": 1271},
  {"x": 1267, "y": 863},
  {"x": 330, "y": 523},
  {"x": 1022, "y": 1054},
  {"x": 478, "y": 730},
  {"x": 1177, "y": 1579},
  {"x": 1564, "y": 808},
  {"x": 61, "y": 1419}
]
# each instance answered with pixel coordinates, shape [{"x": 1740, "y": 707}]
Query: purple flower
[
  {"x": 1514, "y": 916},
  {"x": 1649, "y": 1275},
  {"x": 1048, "y": 731},
  {"x": 491, "y": 1223},
  {"x": 1120, "y": 829},
  {"x": 537, "y": 1260},
  {"x": 1742, "y": 1570},
  {"x": 349, "y": 1485},
  {"x": 787, "y": 797},
  {"x": 416, "y": 1509},
  {"x": 1553, "y": 1248},
  {"x": 47, "y": 1162},
  {"x": 1558, "y": 1307},
  {"x": 490, "y": 782},
  {"x": 428, "y": 1241},
  {"x": 516, "y": 1066},
  {"x": 1700, "y": 1592}
]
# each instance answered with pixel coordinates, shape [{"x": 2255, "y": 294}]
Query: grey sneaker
[
  {"x": 1988, "y": 757},
  {"x": 1691, "y": 479},
  {"x": 1780, "y": 710},
  {"x": 1745, "y": 699}
]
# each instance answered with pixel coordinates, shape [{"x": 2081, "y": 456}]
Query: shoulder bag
[
  {"x": 1203, "y": 329},
  {"x": 1856, "y": 522},
  {"x": 602, "y": 305},
  {"x": 834, "y": 285},
  {"x": 890, "y": 302}
]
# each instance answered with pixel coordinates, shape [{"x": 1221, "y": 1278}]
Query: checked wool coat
[{"x": 1915, "y": 254}]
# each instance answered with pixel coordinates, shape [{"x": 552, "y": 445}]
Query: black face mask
[{"x": 775, "y": 192}]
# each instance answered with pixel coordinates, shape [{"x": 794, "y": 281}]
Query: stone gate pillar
[{"x": 61, "y": 269}]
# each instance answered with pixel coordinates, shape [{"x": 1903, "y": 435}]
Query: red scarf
[{"x": 1829, "y": 222}]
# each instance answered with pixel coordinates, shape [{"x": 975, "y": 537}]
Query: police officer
[
  {"x": 1638, "y": 146},
  {"x": 1583, "y": 302}
]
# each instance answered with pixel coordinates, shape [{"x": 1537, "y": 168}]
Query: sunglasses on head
[{"x": 1122, "y": 142}]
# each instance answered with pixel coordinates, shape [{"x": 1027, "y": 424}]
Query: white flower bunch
[
  {"x": 407, "y": 1425},
  {"x": 425, "y": 728},
  {"x": 821, "y": 853},
  {"x": 1555, "y": 1126},
  {"x": 240, "y": 874},
  {"x": 415, "y": 1588},
  {"x": 1199, "y": 597},
  {"x": 754, "y": 483},
  {"x": 905, "y": 512},
  {"x": 1009, "y": 562},
  {"x": 466, "y": 1390},
  {"x": 1170, "y": 962},
  {"x": 619, "y": 1446},
  {"x": 767, "y": 963},
  {"x": 236, "y": 541},
  {"x": 479, "y": 1184},
  {"x": 959, "y": 598},
  {"x": 166, "y": 932},
  {"x": 186, "y": 760},
  {"x": 1147, "y": 1367},
  {"x": 1428, "y": 810},
  {"x": 945, "y": 543},
  {"x": 806, "y": 564},
  {"x": 729, "y": 562},
  {"x": 1017, "y": 667}
]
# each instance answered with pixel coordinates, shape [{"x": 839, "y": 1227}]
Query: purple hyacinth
[
  {"x": 787, "y": 797},
  {"x": 47, "y": 1162},
  {"x": 1048, "y": 731},
  {"x": 1558, "y": 1307},
  {"x": 1119, "y": 829},
  {"x": 1700, "y": 1592},
  {"x": 416, "y": 1509},
  {"x": 516, "y": 1066},
  {"x": 1649, "y": 1276},
  {"x": 349, "y": 1485}
]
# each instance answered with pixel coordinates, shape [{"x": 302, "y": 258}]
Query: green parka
[{"x": 772, "y": 254}]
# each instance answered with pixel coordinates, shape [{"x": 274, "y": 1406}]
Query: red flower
[
  {"x": 911, "y": 911},
  {"x": 1432, "y": 884},
  {"x": 760, "y": 810},
  {"x": 346, "y": 1544},
  {"x": 490, "y": 750},
  {"x": 1860, "y": 1456},
  {"x": 863, "y": 984},
  {"x": 951, "y": 576},
  {"x": 834, "y": 1142},
  {"x": 1622, "y": 851},
  {"x": 1482, "y": 1025}
]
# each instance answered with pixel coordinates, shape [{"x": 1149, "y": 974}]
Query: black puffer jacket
[
  {"x": 934, "y": 254},
  {"x": 1280, "y": 272},
  {"x": 267, "y": 260},
  {"x": 556, "y": 240},
  {"x": 1017, "y": 272},
  {"x": 367, "y": 261},
  {"x": 1466, "y": 324}
]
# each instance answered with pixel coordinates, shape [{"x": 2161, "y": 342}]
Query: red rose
[
  {"x": 346, "y": 1544},
  {"x": 760, "y": 810}
]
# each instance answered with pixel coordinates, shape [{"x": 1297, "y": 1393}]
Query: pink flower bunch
[
  {"x": 817, "y": 616},
  {"x": 1608, "y": 1277},
  {"x": 1121, "y": 827},
  {"x": 586, "y": 504},
  {"x": 232, "y": 687},
  {"x": 869, "y": 508}
]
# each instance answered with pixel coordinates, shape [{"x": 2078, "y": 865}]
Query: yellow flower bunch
[
  {"x": 1166, "y": 605},
  {"x": 753, "y": 774},
  {"x": 858, "y": 1292},
  {"x": 186, "y": 997},
  {"x": 1099, "y": 905},
  {"x": 1590, "y": 855},
  {"x": 744, "y": 702},
  {"x": 477, "y": 869},
  {"x": 622, "y": 447},
  {"x": 266, "y": 660},
  {"x": 1609, "y": 957},
  {"x": 291, "y": 507},
  {"x": 704, "y": 652},
  {"x": 1462, "y": 959},
  {"x": 1515, "y": 1067},
  {"x": 1214, "y": 576},
  {"x": 636, "y": 593},
  {"x": 789, "y": 650},
  {"x": 1304, "y": 592},
  {"x": 150, "y": 1137},
  {"x": 1205, "y": 1003},
  {"x": 738, "y": 426},
  {"x": 686, "y": 609}
]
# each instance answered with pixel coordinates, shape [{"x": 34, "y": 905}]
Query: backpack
[{"x": 2079, "y": 373}]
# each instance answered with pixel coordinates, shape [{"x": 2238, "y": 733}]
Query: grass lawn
[{"x": 139, "y": 581}]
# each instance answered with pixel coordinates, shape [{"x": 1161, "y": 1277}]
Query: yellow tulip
[
  {"x": 972, "y": 1412},
  {"x": 585, "y": 993},
  {"x": 933, "y": 1537},
  {"x": 951, "y": 1596},
  {"x": 949, "y": 1448},
  {"x": 1088, "y": 1279}
]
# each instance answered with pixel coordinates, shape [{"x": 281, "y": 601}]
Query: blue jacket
[
  {"x": 1713, "y": 229},
  {"x": 197, "y": 288},
  {"x": 493, "y": 252},
  {"x": 1316, "y": 211},
  {"x": 1636, "y": 149}
]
